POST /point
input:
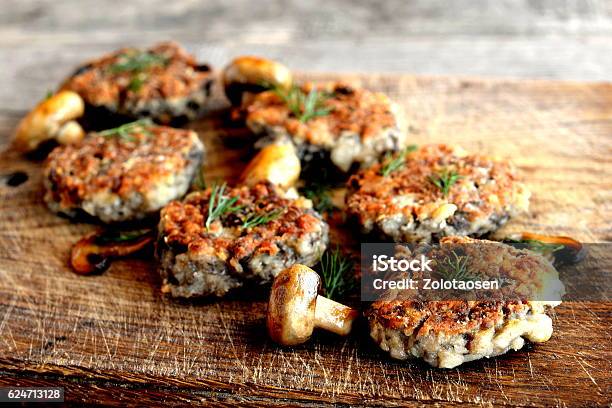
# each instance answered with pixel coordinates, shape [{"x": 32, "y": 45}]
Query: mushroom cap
[
  {"x": 53, "y": 118},
  {"x": 276, "y": 163},
  {"x": 291, "y": 309},
  {"x": 251, "y": 74}
]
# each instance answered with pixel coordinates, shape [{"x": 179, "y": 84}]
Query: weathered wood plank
[
  {"x": 117, "y": 332},
  {"x": 31, "y": 67},
  {"x": 318, "y": 18},
  {"x": 40, "y": 41}
]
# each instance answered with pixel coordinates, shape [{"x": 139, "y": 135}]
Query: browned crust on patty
[
  {"x": 183, "y": 224},
  {"x": 177, "y": 75},
  {"x": 529, "y": 276},
  {"x": 487, "y": 190},
  {"x": 449, "y": 317},
  {"x": 120, "y": 165},
  {"x": 353, "y": 110}
]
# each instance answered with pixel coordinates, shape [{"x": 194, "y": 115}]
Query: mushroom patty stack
[
  {"x": 122, "y": 174},
  {"x": 333, "y": 122},
  {"x": 220, "y": 238},
  {"x": 447, "y": 333},
  {"x": 164, "y": 83},
  {"x": 433, "y": 192},
  {"x": 217, "y": 239}
]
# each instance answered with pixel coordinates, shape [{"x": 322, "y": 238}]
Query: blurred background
[{"x": 42, "y": 41}]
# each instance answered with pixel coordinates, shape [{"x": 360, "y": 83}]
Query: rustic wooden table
[
  {"x": 566, "y": 39},
  {"x": 114, "y": 339}
]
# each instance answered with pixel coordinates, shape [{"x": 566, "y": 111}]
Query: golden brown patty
[
  {"x": 359, "y": 127},
  {"x": 196, "y": 260},
  {"x": 448, "y": 333},
  {"x": 122, "y": 177},
  {"x": 410, "y": 204},
  {"x": 163, "y": 82}
]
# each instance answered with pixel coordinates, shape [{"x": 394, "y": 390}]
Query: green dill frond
[
  {"x": 455, "y": 267},
  {"x": 304, "y": 106},
  {"x": 314, "y": 106},
  {"x": 337, "y": 274},
  {"x": 137, "y": 61},
  {"x": 199, "y": 183},
  {"x": 127, "y": 130},
  {"x": 391, "y": 164},
  {"x": 115, "y": 236},
  {"x": 137, "y": 81},
  {"x": 320, "y": 194},
  {"x": 219, "y": 204},
  {"x": 255, "y": 219},
  {"x": 444, "y": 180},
  {"x": 536, "y": 246}
]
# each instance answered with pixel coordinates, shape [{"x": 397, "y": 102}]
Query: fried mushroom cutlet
[
  {"x": 122, "y": 174},
  {"x": 435, "y": 191},
  {"x": 333, "y": 123},
  {"x": 447, "y": 333},
  {"x": 164, "y": 83},
  {"x": 219, "y": 238}
]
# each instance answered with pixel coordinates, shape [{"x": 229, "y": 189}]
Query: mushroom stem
[
  {"x": 295, "y": 308},
  {"x": 333, "y": 316}
]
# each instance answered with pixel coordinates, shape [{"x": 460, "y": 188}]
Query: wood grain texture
[
  {"x": 41, "y": 40},
  {"x": 114, "y": 338},
  {"x": 317, "y": 18}
]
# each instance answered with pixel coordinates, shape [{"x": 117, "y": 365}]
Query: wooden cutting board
[{"x": 114, "y": 338}]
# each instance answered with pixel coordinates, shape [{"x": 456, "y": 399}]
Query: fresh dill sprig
[
  {"x": 392, "y": 164},
  {"x": 255, "y": 219},
  {"x": 199, "y": 182},
  {"x": 314, "y": 106},
  {"x": 456, "y": 268},
  {"x": 137, "y": 81},
  {"x": 304, "y": 106},
  {"x": 219, "y": 204},
  {"x": 444, "y": 180},
  {"x": 542, "y": 247},
  {"x": 127, "y": 130},
  {"x": 320, "y": 195},
  {"x": 536, "y": 246},
  {"x": 337, "y": 274},
  {"x": 137, "y": 61},
  {"x": 114, "y": 236}
]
